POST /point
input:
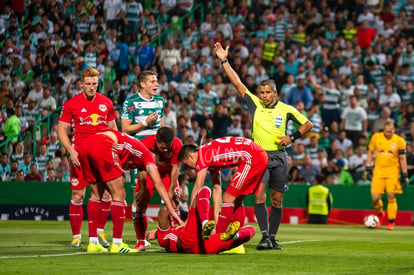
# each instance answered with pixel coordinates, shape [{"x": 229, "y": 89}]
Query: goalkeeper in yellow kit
[{"x": 390, "y": 159}]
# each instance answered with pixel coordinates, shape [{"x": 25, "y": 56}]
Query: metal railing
[
  {"x": 6, "y": 142},
  {"x": 160, "y": 39},
  {"x": 47, "y": 118}
]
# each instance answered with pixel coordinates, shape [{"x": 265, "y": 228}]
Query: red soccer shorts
[
  {"x": 248, "y": 176},
  {"x": 99, "y": 160},
  {"x": 77, "y": 181}
]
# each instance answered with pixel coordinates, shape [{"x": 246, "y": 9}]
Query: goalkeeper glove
[
  {"x": 404, "y": 180},
  {"x": 368, "y": 172}
]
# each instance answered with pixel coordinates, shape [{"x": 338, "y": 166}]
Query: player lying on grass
[
  {"x": 251, "y": 161},
  {"x": 103, "y": 157},
  {"x": 195, "y": 236}
]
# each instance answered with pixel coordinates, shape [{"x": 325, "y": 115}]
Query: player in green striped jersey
[{"x": 142, "y": 114}]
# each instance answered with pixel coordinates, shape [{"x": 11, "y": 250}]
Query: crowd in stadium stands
[{"x": 347, "y": 65}]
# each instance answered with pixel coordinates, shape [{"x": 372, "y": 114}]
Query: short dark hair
[
  {"x": 269, "y": 82},
  {"x": 165, "y": 135},
  {"x": 186, "y": 150}
]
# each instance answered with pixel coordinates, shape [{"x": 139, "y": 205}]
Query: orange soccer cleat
[
  {"x": 381, "y": 218},
  {"x": 390, "y": 226}
]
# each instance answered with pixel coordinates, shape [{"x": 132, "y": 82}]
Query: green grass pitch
[{"x": 30, "y": 247}]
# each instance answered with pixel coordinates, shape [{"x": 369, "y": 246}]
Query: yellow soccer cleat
[
  {"x": 231, "y": 231},
  {"x": 237, "y": 250},
  {"x": 96, "y": 248},
  {"x": 102, "y": 240},
  {"x": 207, "y": 228},
  {"x": 122, "y": 248},
  {"x": 75, "y": 243}
]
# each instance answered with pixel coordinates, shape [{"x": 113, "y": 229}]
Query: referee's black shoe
[
  {"x": 265, "y": 243},
  {"x": 275, "y": 245}
]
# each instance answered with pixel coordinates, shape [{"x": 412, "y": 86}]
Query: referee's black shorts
[{"x": 277, "y": 172}]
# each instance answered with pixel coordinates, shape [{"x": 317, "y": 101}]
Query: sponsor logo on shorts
[{"x": 74, "y": 182}]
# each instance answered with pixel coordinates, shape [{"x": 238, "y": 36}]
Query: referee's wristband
[
  {"x": 145, "y": 123},
  {"x": 224, "y": 61},
  {"x": 295, "y": 136}
]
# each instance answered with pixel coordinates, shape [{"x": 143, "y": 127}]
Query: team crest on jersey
[
  {"x": 278, "y": 121},
  {"x": 74, "y": 182},
  {"x": 393, "y": 145},
  {"x": 102, "y": 107}
]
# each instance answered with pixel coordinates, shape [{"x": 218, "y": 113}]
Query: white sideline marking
[
  {"x": 301, "y": 241},
  {"x": 149, "y": 250},
  {"x": 48, "y": 255}
]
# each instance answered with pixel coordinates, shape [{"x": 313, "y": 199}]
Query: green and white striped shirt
[{"x": 137, "y": 109}]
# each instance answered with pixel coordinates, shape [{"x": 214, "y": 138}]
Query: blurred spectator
[
  {"x": 113, "y": 11},
  {"x": 308, "y": 171},
  {"x": 206, "y": 100},
  {"x": 11, "y": 126},
  {"x": 27, "y": 162},
  {"x": 379, "y": 123},
  {"x": 20, "y": 176},
  {"x": 169, "y": 57},
  {"x": 345, "y": 177},
  {"x": 170, "y": 117},
  {"x": 235, "y": 129},
  {"x": 354, "y": 121},
  {"x": 47, "y": 103},
  {"x": 62, "y": 172},
  {"x": 4, "y": 164},
  {"x": 300, "y": 93},
  {"x": 34, "y": 175},
  {"x": 343, "y": 142},
  {"x": 391, "y": 100},
  {"x": 18, "y": 153},
  {"x": 12, "y": 173},
  {"x": 50, "y": 175},
  {"x": 42, "y": 158},
  {"x": 145, "y": 53}
]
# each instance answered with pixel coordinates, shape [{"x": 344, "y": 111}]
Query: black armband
[
  {"x": 295, "y": 136},
  {"x": 224, "y": 61},
  {"x": 401, "y": 152}
]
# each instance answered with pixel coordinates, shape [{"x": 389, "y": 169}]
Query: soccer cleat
[
  {"x": 147, "y": 243},
  {"x": 102, "y": 240},
  {"x": 275, "y": 245},
  {"x": 140, "y": 246},
  {"x": 207, "y": 228},
  {"x": 75, "y": 243},
  {"x": 237, "y": 250},
  {"x": 381, "y": 218},
  {"x": 390, "y": 226},
  {"x": 265, "y": 243},
  {"x": 96, "y": 248},
  {"x": 122, "y": 248},
  {"x": 231, "y": 231}
]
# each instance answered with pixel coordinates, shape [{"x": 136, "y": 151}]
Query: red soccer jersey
[
  {"x": 88, "y": 117},
  {"x": 165, "y": 160},
  {"x": 132, "y": 153},
  {"x": 226, "y": 152},
  {"x": 168, "y": 238}
]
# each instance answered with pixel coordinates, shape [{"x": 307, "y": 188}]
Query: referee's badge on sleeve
[{"x": 278, "y": 121}]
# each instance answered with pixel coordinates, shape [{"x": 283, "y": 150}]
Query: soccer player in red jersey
[
  {"x": 220, "y": 154},
  {"x": 88, "y": 113},
  {"x": 165, "y": 146},
  {"x": 117, "y": 151},
  {"x": 190, "y": 239}
]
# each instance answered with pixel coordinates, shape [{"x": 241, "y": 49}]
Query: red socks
[
  {"x": 118, "y": 218},
  {"x": 225, "y": 217},
  {"x": 93, "y": 214},
  {"x": 104, "y": 213},
  {"x": 141, "y": 225},
  {"x": 76, "y": 217}
]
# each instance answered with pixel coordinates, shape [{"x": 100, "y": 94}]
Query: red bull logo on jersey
[{"x": 93, "y": 120}]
